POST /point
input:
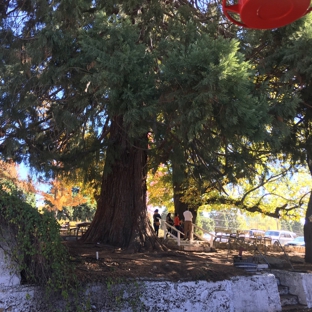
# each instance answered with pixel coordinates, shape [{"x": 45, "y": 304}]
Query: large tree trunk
[
  {"x": 179, "y": 205},
  {"x": 121, "y": 217},
  {"x": 308, "y": 225},
  {"x": 308, "y": 232}
]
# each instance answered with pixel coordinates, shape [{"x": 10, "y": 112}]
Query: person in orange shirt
[{"x": 176, "y": 222}]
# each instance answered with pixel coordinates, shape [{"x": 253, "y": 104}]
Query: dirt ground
[{"x": 174, "y": 265}]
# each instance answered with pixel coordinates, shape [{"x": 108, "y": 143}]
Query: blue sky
[{"x": 23, "y": 172}]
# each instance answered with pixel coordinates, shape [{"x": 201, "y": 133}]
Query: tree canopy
[{"x": 118, "y": 88}]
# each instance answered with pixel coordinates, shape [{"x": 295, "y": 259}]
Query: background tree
[
  {"x": 61, "y": 195},
  {"x": 159, "y": 189},
  {"x": 209, "y": 132},
  {"x": 277, "y": 193},
  {"x": 9, "y": 173},
  {"x": 284, "y": 73},
  {"x": 82, "y": 212}
]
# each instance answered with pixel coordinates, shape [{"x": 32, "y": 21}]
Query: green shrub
[{"x": 34, "y": 243}]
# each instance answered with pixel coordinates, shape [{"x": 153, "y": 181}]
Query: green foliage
[
  {"x": 205, "y": 223},
  {"x": 156, "y": 65},
  {"x": 293, "y": 226},
  {"x": 159, "y": 188},
  {"x": 81, "y": 212},
  {"x": 284, "y": 74},
  {"x": 276, "y": 191},
  {"x": 34, "y": 244},
  {"x": 261, "y": 222},
  {"x": 229, "y": 219},
  {"x": 158, "y": 69}
]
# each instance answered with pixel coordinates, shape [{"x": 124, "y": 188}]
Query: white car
[
  {"x": 298, "y": 241},
  {"x": 282, "y": 236},
  {"x": 207, "y": 236}
]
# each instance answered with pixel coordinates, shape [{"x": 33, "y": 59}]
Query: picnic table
[{"x": 82, "y": 227}]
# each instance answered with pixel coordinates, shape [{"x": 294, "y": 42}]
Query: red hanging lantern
[{"x": 265, "y": 14}]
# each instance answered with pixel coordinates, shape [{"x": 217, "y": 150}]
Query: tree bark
[
  {"x": 121, "y": 217},
  {"x": 178, "y": 176},
  {"x": 179, "y": 206},
  {"x": 308, "y": 232},
  {"x": 307, "y": 229}
]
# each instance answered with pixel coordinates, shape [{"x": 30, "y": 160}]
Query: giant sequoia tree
[{"x": 132, "y": 83}]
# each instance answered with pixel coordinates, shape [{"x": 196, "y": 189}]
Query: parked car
[
  {"x": 207, "y": 236},
  {"x": 282, "y": 236},
  {"x": 221, "y": 237},
  {"x": 298, "y": 241}
]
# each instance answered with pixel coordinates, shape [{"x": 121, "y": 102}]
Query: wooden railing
[
  {"x": 226, "y": 235},
  {"x": 212, "y": 236},
  {"x": 165, "y": 226}
]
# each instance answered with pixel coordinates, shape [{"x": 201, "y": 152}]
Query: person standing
[
  {"x": 156, "y": 221},
  {"x": 188, "y": 217},
  {"x": 169, "y": 221},
  {"x": 176, "y": 222}
]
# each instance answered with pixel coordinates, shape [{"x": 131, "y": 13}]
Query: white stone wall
[
  {"x": 242, "y": 294},
  {"x": 258, "y": 293},
  {"x": 299, "y": 284},
  {"x": 8, "y": 272},
  {"x": 9, "y": 275}
]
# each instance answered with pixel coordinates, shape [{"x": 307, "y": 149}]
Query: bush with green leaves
[{"x": 31, "y": 240}]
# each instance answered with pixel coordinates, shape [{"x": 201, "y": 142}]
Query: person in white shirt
[{"x": 188, "y": 217}]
